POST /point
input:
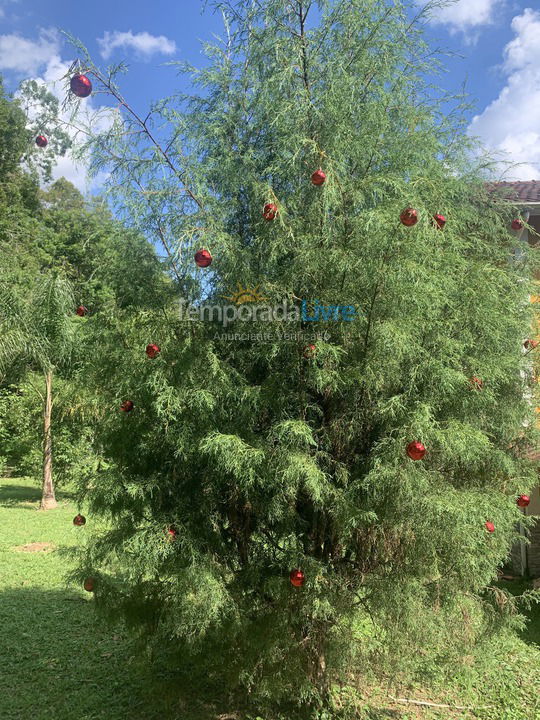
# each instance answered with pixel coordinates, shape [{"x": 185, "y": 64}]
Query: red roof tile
[{"x": 527, "y": 191}]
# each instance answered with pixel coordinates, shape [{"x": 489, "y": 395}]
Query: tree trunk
[{"x": 48, "y": 500}]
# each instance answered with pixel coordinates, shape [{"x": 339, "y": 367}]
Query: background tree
[
  {"x": 42, "y": 112},
  {"x": 20, "y": 232},
  {"x": 56, "y": 229},
  {"x": 40, "y": 332},
  {"x": 14, "y": 135},
  {"x": 243, "y": 460}
]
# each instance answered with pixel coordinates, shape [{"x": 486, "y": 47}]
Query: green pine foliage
[{"x": 261, "y": 459}]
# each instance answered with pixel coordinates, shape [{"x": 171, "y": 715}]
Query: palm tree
[{"x": 38, "y": 330}]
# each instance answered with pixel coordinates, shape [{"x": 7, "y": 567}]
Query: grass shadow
[
  {"x": 531, "y": 633},
  {"x": 57, "y": 656},
  {"x": 26, "y": 496},
  {"x": 60, "y": 659},
  {"x": 17, "y": 495}
]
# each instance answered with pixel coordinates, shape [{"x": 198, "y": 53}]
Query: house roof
[{"x": 520, "y": 192}]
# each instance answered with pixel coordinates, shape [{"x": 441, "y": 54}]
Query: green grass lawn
[{"x": 59, "y": 660}]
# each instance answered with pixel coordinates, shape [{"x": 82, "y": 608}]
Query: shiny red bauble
[
  {"x": 80, "y": 86},
  {"x": 490, "y": 527},
  {"x": 79, "y": 520},
  {"x": 203, "y": 258},
  {"x": 415, "y": 450},
  {"x": 270, "y": 211},
  {"x": 152, "y": 350},
  {"x": 318, "y": 177},
  {"x": 476, "y": 382},
  {"x": 297, "y": 578},
  {"x": 530, "y": 344},
  {"x": 127, "y": 406},
  {"x": 41, "y": 141},
  {"x": 172, "y": 533},
  {"x": 523, "y": 500},
  {"x": 309, "y": 351},
  {"x": 440, "y": 221},
  {"x": 88, "y": 584},
  {"x": 81, "y": 311},
  {"x": 516, "y": 224},
  {"x": 409, "y": 217}
]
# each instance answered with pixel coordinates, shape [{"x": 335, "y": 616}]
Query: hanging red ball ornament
[
  {"x": 490, "y": 527},
  {"x": 81, "y": 311},
  {"x": 309, "y": 351},
  {"x": 270, "y": 211},
  {"x": 523, "y": 500},
  {"x": 203, "y": 258},
  {"x": 79, "y": 520},
  {"x": 41, "y": 141},
  {"x": 88, "y": 584},
  {"x": 152, "y": 350},
  {"x": 127, "y": 406},
  {"x": 516, "y": 224},
  {"x": 530, "y": 344},
  {"x": 172, "y": 533},
  {"x": 415, "y": 450},
  {"x": 318, "y": 177},
  {"x": 440, "y": 221},
  {"x": 476, "y": 382},
  {"x": 80, "y": 86},
  {"x": 297, "y": 578},
  {"x": 409, "y": 217}
]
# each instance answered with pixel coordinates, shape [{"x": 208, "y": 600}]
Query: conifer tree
[{"x": 243, "y": 459}]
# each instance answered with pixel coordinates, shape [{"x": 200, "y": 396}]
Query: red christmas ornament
[
  {"x": 41, "y": 141},
  {"x": 523, "y": 500},
  {"x": 172, "y": 533},
  {"x": 530, "y": 344},
  {"x": 203, "y": 258},
  {"x": 318, "y": 177},
  {"x": 415, "y": 450},
  {"x": 516, "y": 224},
  {"x": 309, "y": 351},
  {"x": 270, "y": 211},
  {"x": 79, "y": 520},
  {"x": 409, "y": 217},
  {"x": 126, "y": 406},
  {"x": 490, "y": 527},
  {"x": 476, "y": 382},
  {"x": 152, "y": 350},
  {"x": 297, "y": 578},
  {"x": 88, "y": 584},
  {"x": 440, "y": 221},
  {"x": 81, "y": 311},
  {"x": 80, "y": 86}
]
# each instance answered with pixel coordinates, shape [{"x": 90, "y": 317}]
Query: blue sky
[{"x": 498, "y": 39}]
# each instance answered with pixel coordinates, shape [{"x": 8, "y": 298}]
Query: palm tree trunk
[{"x": 48, "y": 500}]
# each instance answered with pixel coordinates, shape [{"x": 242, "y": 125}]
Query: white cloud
[
  {"x": 41, "y": 60},
  {"x": 24, "y": 56},
  {"x": 511, "y": 122},
  {"x": 466, "y": 16},
  {"x": 76, "y": 173},
  {"x": 143, "y": 43},
  {"x": 3, "y": 4}
]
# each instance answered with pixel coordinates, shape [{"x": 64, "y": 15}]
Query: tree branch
[{"x": 142, "y": 124}]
